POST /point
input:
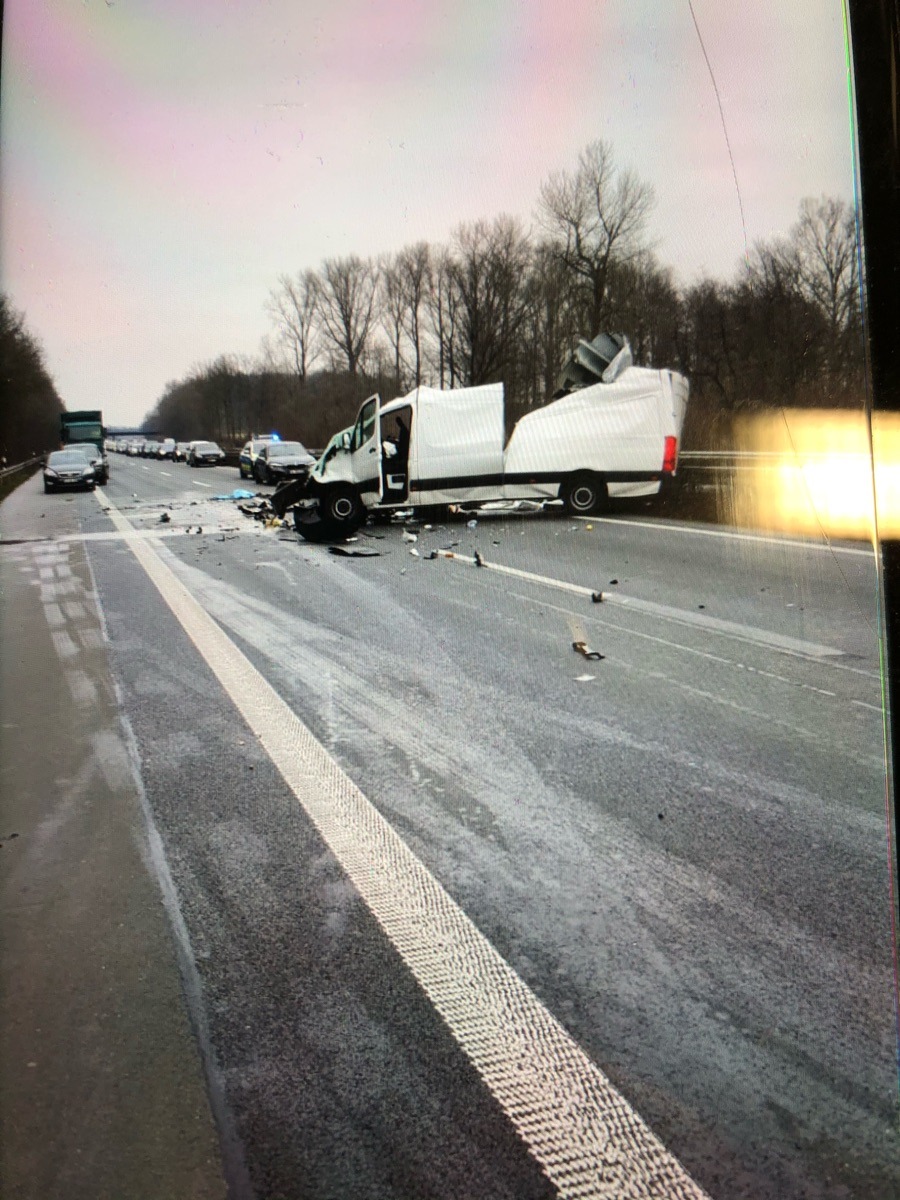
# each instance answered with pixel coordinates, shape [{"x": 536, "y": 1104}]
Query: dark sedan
[
  {"x": 96, "y": 457},
  {"x": 205, "y": 454},
  {"x": 278, "y": 461},
  {"x": 68, "y": 468}
]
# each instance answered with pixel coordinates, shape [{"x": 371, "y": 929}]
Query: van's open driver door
[{"x": 365, "y": 450}]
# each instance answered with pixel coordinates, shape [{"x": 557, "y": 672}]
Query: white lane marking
[
  {"x": 874, "y": 707},
  {"x": 732, "y": 629},
  {"x": 65, "y": 647},
  {"x": 54, "y": 615},
  {"x": 168, "y": 474},
  {"x": 82, "y": 687},
  {"x": 197, "y": 483},
  {"x": 91, "y": 639},
  {"x": 821, "y": 547},
  {"x": 587, "y": 1138},
  {"x": 143, "y": 468}
]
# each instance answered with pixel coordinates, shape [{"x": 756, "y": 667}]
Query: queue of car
[{"x": 267, "y": 460}]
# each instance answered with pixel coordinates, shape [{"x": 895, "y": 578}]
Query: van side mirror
[{"x": 345, "y": 441}]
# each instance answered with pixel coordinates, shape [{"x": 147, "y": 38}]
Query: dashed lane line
[
  {"x": 587, "y": 1138},
  {"x": 681, "y": 616}
]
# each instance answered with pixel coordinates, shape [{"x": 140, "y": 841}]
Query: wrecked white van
[{"x": 617, "y": 436}]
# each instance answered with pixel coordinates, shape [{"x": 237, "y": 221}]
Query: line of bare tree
[
  {"x": 29, "y": 402},
  {"x": 499, "y": 302}
]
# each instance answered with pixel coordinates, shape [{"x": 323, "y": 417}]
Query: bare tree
[
  {"x": 824, "y": 251},
  {"x": 442, "y": 306},
  {"x": 347, "y": 306},
  {"x": 293, "y": 306},
  {"x": 595, "y": 215},
  {"x": 393, "y": 313},
  {"x": 414, "y": 266},
  {"x": 489, "y": 269}
]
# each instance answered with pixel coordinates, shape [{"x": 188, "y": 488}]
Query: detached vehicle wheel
[
  {"x": 339, "y": 514},
  {"x": 584, "y": 495}
]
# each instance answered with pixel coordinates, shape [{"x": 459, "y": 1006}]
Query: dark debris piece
[
  {"x": 479, "y": 561},
  {"x": 342, "y": 553},
  {"x": 613, "y": 582},
  {"x": 584, "y": 649},
  {"x": 596, "y": 597},
  {"x": 165, "y": 519}
]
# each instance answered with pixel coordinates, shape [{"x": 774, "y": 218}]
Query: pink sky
[{"x": 163, "y": 166}]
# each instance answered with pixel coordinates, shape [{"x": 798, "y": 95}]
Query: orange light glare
[{"x": 810, "y": 471}]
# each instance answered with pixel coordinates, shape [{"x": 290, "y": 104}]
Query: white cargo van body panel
[
  {"x": 611, "y": 429},
  {"x": 456, "y": 443}
]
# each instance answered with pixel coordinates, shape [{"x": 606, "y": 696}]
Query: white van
[{"x": 433, "y": 447}]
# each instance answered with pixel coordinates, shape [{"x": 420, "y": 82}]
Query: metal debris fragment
[{"x": 584, "y": 649}]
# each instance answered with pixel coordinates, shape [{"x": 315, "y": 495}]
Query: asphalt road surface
[{"x": 654, "y": 883}]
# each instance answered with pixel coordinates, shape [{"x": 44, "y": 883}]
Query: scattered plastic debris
[
  {"x": 584, "y": 649},
  {"x": 414, "y": 552},
  {"x": 597, "y": 597},
  {"x": 409, "y": 537},
  {"x": 473, "y": 524},
  {"x": 613, "y": 582},
  {"x": 479, "y": 561},
  {"x": 237, "y": 494},
  {"x": 342, "y": 553},
  {"x": 164, "y": 519},
  {"x": 589, "y": 528},
  {"x": 432, "y": 555}
]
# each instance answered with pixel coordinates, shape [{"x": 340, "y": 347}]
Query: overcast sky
[{"x": 164, "y": 162}]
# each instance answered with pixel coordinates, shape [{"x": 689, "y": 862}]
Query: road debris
[
  {"x": 164, "y": 519},
  {"x": 414, "y": 552},
  {"x": 473, "y": 524},
  {"x": 597, "y": 597},
  {"x": 584, "y": 649},
  {"x": 237, "y": 494},
  {"x": 409, "y": 537},
  {"x": 340, "y": 552},
  {"x": 479, "y": 561},
  {"x": 613, "y": 582}
]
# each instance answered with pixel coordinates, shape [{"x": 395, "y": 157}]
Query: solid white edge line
[
  {"x": 732, "y": 629},
  {"x": 660, "y": 527},
  {"x": 588, "y": 1140}
]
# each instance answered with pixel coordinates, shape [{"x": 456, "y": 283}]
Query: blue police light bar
[{"x": 275, "y": 437}]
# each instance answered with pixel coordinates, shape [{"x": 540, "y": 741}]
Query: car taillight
[{"x": 670, "y": 455}]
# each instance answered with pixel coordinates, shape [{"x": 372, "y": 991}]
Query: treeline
[
  {"x": 499, "y": 302},
  {"x": 29, "y": 403}
]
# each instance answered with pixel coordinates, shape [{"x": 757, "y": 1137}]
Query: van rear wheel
[{"x": 584, "y": 495}]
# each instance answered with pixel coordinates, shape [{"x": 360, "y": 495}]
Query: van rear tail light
[{"x": 670, "y": 456}]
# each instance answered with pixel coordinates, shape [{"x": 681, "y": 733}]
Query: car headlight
[
  {"x": 50, "y": 471},
  {"x": 87, "y": 471}
]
